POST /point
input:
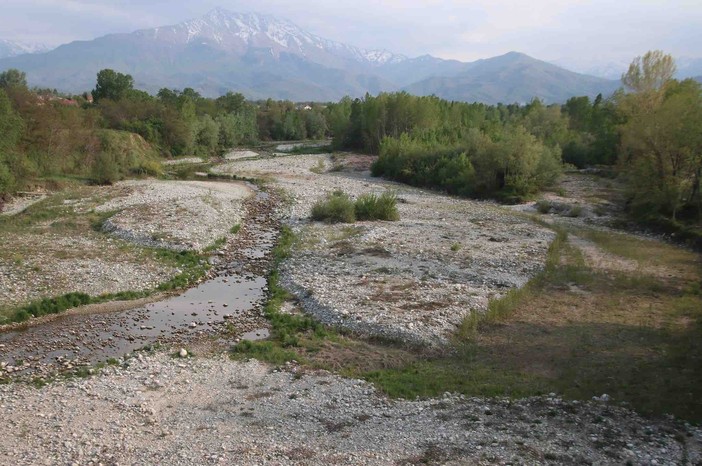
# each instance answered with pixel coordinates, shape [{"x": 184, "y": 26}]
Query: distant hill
[
  {"x": 513, "y": 77},
  {"x": 263, "y": 56},
  {"x": 687, "y": 67}
]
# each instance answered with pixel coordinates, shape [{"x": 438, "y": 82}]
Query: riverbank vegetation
[{"x": 645, "y": 134}]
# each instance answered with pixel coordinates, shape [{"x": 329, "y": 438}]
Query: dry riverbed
[{"x": 411, "y": 281}]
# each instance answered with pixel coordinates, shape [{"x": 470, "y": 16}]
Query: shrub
[
  {"x": 575, "y": 211},
  {"x": 337, "y": 207},
  {"x": 106, "y": 169},
  {"x": 374, "y": 207},
  {"x": 543, "y": 206},
  {"x": 149, "y": 168}
]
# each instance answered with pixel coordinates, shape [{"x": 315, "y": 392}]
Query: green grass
[
  {"x": 267, "y": 351},
  {"x": 543, "y": 206},
  {"x": 286, "y": 330},
  {"x": 235, "y": 229},
  {"x": 337, "y": 207},
  {"x": 47, "y": 210},
  {"x": 572, "y": 329},
  {"x": 373, "y": 207},
  {"x": 192, "y": 266},
  {"x": 48, "y": 306},
  {"x": 434, "y": 377},
  {"x": 578, "y": 332},
  {"x": 219, "y": 242},
  {"x": 319, "y": 168},
  {"x": 501, "y": 307}
]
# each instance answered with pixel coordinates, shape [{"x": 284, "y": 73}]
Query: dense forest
[{"x": 648, "y": 133}]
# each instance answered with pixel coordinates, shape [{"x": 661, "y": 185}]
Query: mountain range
[
  {"x": 10, "y": 48},
  {"x": 263, "y": 56}
]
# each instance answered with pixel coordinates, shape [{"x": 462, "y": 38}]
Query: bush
[
  {"x": 374, "y": 207},
  {"x": 7, "y": 181},
  {"x": 149, "y": 168},
  {"x": 575, "y": 211},
  {"x": 543, "y": 206},
  {"x": 106, "y": 169},
  {"x": 337, "y": 207}
]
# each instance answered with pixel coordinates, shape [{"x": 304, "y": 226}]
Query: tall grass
[
  {"x": 373, "y": 207},
  {"x": 337, "y": 207}
]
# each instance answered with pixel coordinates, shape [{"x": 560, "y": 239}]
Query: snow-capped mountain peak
[
  {"x": 10, "y": 48},
  {"x": 237, "y": 32}
]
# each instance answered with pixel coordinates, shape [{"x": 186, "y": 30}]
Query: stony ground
[
  {"x": 164, "y": 410},
  {"x": 413, "y": 280},
  {"x": 65, "y": 254},
  {"x": 584, "y": 198},
  {"x": 177, "y": 215},
  {"x": 183, "y": 161}
]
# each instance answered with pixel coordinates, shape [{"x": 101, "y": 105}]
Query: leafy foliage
[
  {"x": 112, "y": 85},
  {"x": 13, "y": 78},
  {"x": 661, "y": 154}
]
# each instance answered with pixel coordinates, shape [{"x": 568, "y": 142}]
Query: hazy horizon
[{"x": 579, "y": 35}]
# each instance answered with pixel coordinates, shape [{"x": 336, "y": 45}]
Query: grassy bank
[
  {"x": 582, "y": 331},
  {"x": 581, "y": 328}
]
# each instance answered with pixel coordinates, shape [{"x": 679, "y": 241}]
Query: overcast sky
[{"x": 583, "y": 33}]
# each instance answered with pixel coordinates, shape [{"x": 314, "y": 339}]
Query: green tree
[
  {"x": 11, "y": 128},
  {"x": 649, "y": 73},
  {"x": 13, "y": 78},
  {"x": 11, "y": 124},
  {"x": 206, "y": 135},
  {"x": 231, "y": 102},
  {"x": 315, "y": 124},
  {"x": 112, "y": 85},
  {"x": 661, "y": 141}
]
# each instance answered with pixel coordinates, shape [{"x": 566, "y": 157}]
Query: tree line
[{"x": 648, "y": 134}]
